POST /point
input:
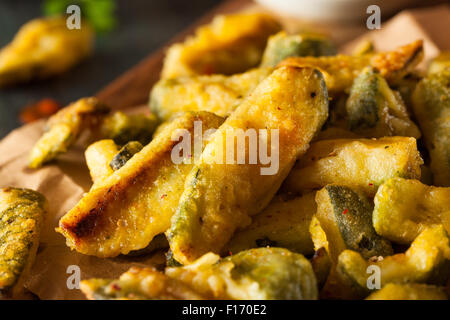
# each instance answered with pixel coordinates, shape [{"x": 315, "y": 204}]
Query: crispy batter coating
[
  {"x": 229, "y": 44},
  {"x": 374, "y": 110},
  {"x": 63, "y": 129},
  {"x": 263, "y": 273},
  {"x": 363, "y": 164},
  {"x": 340, "y": 70},
  {"x": 282, "y": 45},
  {"x": 127, "y": 209},
  {"x": 42, "y": 48},
  {"x": 220, "y": 197},
  {"x": 98, "y": 157},
  {"x": 431, "y": 104},
  {"x": 21, "y": 215},
  {"x": 426, "y": 260},
  {"x": 404, "y": 208},
  {"x": 138, "y": 284},
  {"x": 219, "y": 94},
  {"x": 123, "y": 128}
]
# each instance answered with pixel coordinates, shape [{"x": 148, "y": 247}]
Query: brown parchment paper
[{"x": 64, "y": 182}]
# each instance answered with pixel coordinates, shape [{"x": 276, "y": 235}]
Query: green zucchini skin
[
  {"x": 362, "y": 104},
  {"x": 374, "y": 110},
  {"x": 349, "y": 224},
  {"x": 220, "y": 198},
  {"x": 431, "y": 105},
  {"x": 123, "y": 128},
  {"x": 282, "y": 46},
  {"x": 21, "y": 217},
  {"x": 426, "y": 261},
  {"x": 280, "y": 273},
  {"x": 125, "y": 154}
]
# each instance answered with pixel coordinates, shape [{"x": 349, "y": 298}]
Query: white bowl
[{"x": 332, "y": 10}]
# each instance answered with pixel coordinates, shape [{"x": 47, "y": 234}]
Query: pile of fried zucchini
[{"x": 359, "y": 207}]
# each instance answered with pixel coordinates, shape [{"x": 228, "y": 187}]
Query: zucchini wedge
[
  {"x": 425, "y": 261},
  {"x": 229, "y": 44},
  {"x": 138, "y": 284},
  {"x": 374, "y": 110},
  {"x": 123, "y": 128},
  {"x": 346, "y": 218},
  {"x": 63, "y": 129},
  {"x": 98, "y": 157},
  {"x": 318, "y": 236},
  {"x": 42, "y": 48},
  {"x": 441, "y": 62},
  {"x": 134, "y": 204},
  {"x": 103, "y": 158},
  {"x": 125, "y": 154},
  {"x": 255, "y": 274},
  {"x": 431, "y": 104},
  {"x": 339, "y": 71},
  {"x": 220, "y": 197},
  {"x": 395, "y": 65},
  {"x": 404, "y": 208},
  {"x": 218, "y": 94},
  {"x": 282, "y": 45},
  {"x": 362, "y": 164},
  {"x": 283, "y": 223},
  {"x": 409, "y": 291},
  {"x": 21, "y": 217}
]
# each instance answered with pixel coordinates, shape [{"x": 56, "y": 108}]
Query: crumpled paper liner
[{"x": 64, "y": 182}]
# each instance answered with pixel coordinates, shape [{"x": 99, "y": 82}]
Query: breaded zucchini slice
[
  {"x": 404, "y": 208},
  {"x": 220, "y": 197},
  {"x": 318, "y": 236},
  {"x": 259, "y": 274},
  {"x": 374, "y": 110},
  {"x": 218, "y": 94},
  {"x": 441, "y": 62},
  {"x": 103, "y": 158},
  {"x": 395, "y": 65},
  {"x": 425, "y": 261},
  {"x": 63, "y": 129},
  {"x": 126, "y": 210},
  {"x": 125, "y": 154},
  {"x": 283, "y": 223},
  {"x": 409, "y": 291},
  {"x": 138, "y": 284},
  {"x": 123, "y": 128},
  {"x": 229, "y": 44},
  {"x": 340, "y": 70},
  {"x": 43, "y": 47},
  {"x": 98, "y": 157},
  {"x": 346, "y": 218},
  {"x": 282, "y": 45},
  {"x": 21, "y": 215},
  {"x": 363, "y": 164},
  {"x": 255, "y": 274},
  {"x": 431, "y": 104}
]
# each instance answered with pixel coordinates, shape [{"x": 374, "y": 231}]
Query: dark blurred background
[{"x": 142, "y": 27}]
